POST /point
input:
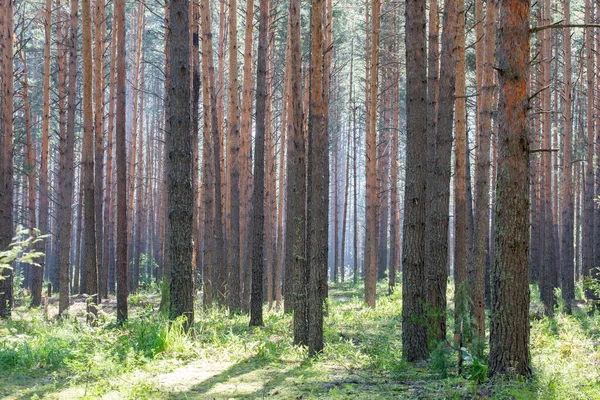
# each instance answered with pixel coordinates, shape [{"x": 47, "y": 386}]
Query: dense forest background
[{"x": 206, "y": 167}]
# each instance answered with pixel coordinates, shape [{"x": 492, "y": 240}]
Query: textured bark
[
  {"x": 347, "y": 171},
  {"x": 208, "y": 169},
  {"x": 587, "y": 245},
  {"x": 139, "y": 188},
  {"x": 88, "y": 163},
  {"x": 270, "y": 203},
  {"x": 438, "y": 213},
  {"x": 179, "y": 144},
  {"x": 218, "y": 266},
  {"x": 107, "y": 276},
  {"x": 99, "y": 37},
  {"x": 29, "y": 162},
  {"x": 295, "y": 249},
  {"x": 394, "y": 263},
  {"x": 246, "y": 155},
  {"x": 548, "y": 278},
  {"x": 6, "y": 150},
  {"x": 318, "y": 183},
  {"x": 122, "y": 264},
  {"x": 67, "y": 169},
  {"x": 286, "y": 116},
  {"x": 482, "y": 201},
  {"x": 509, "y": 324},
  {"x": 133, "y": 152},
  {"x": 257, "y": 234},
  {"x": 38, "y": 273},
  {"x": 61, "y": 63},
  {"x": 461, "y": 242},
  {"x": 414, "y": 338},
  {"x": 233, "y": 140},
  {"x": 371, "y": 168}
]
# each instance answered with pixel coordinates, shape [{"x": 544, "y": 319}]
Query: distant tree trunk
[
  {"x": 67, "y": 169},
  {"x": 246, "y": 157},
  {"x": 180, "y": 167},
  {"x": 233, "y": 140},
  {"x": 286, "y": 117},
  {"x": 207, "y": 170},
  {"x": 318, "y": 183},
  {"x": 295, "y": 249},
  {"x": 414, "y": 337},
  {"x": 38, "y": 273},
  {"x": 107, "y": 277},
  {"x": 133, "y": 161},
  {"x": 509, "y": 325},
  {"x": 371, "y": 168},
  {"x": 270, "y": 172},
  {"x": 461, "y": 242},
  {"x": 482, "y": 201},
  {"x": 88, "y": 161},
  {"x": 567, "y": 202},
  {"x": 216, "y": 258},
  {"x": 587, "y": 245},
  {"x": 99, "y": 37},
  {"x": 61, "y": 62},
  {"x": 29, "y": 164},
  {"x": 122, "y": 264},
  {"x": 139, "y": 186},
  {"x": 394, "y": 263},
  {"x": 347, "y": 170},
  {"x": 548, "y": 277},
  {"x": 257, "y": 233}
]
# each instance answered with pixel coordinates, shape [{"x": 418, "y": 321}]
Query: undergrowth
[{"x": 362, "y": 356}]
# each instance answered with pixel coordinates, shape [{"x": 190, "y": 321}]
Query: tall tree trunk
[
  {"x": 371, "y": 168},
  {"x": 88, "y": 162},
  {"x": 414, "y": 338},
  {"x": 509, "y": 325},
  {"x": 99, "y": 34},
  {"x": 107, "y": 276},
  {"x": 295, "y": 249},
  {"x": 482, "y": 201},
  {"x": 180, "y": 167},
  {"x": 233, "y": 140},
  {"x": 347, "y": 169},
  {"x": 216, "y": 258},
  {"x": 258, "y": 195},
  {"x": 139, "y": 185},
  {"x": 29, "y": 165},
  {"x": 567, "y": 202},
  {"x": 587, "y": 246},
  {"x": 318, "y": 181},
  {"x": 461, "y": 242},
  {"x": 67, "y": 169},
  {"x": 438, "y": 213},
  {"x": 38, "y": 273},
  {"x": 133, "y": 160},
  {"x": 246, "y": 156},
  {"x": 122, "y": 264}
]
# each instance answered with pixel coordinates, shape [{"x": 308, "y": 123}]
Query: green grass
[{"x": 222, "y": 357}]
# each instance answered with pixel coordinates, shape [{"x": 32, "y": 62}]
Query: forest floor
[{"x": 149, "y": 358}]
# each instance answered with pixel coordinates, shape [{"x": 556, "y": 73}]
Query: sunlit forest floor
[{"x": 224, "y": 358}]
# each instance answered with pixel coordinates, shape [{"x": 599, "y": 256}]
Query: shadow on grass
[{"x": 26, "y": 385}]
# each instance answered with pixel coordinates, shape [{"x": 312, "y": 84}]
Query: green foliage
[
  {"x": 21, "y": 249},
  {"x": 476, "y": 371}
]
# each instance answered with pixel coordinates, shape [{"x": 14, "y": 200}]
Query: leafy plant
[
  {"x": 21, "y": 249},
  {"x": 476, "y": 371}
]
